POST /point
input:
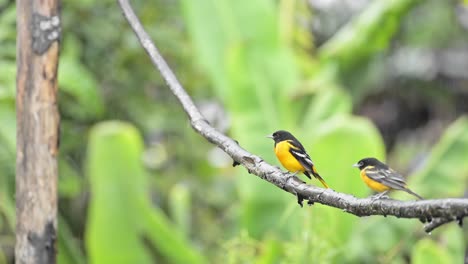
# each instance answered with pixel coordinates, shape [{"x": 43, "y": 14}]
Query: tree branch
[
  {"x": 438, "y": 211},
  {"x": 441, "y": 221}
]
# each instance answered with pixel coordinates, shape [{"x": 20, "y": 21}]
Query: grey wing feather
[{"x": 387, "y": 177}]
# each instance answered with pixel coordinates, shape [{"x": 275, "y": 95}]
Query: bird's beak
[
  {"x": 356, "y": 165},
  {"x": 270, "y": 136}
]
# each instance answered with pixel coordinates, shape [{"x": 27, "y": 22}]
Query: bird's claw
[
  {"x": 379, "y": 196},
  {"x": 291, "y": 175}
]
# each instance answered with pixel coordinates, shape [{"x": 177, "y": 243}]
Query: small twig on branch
[
  {"x": 437, "y": 212},
  {"x": 441, "y": 221}
]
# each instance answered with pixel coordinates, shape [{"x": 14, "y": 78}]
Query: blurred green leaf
[
  {"x": 240, "y": 249},
  {"x": 121, "y": 217},
  {"x": 7, "y": 79},
  {"x": 352, "y": 51},
  {"x": 8, "y": 126},
  {"x": 79, "y": 83},
  {"x": 426, "y": 251},
  {"x": 115, "y": 232},
  {"x": 168, "y": 240},
  {"x": 445, "y": 173},
  {"x": 271, "y": 252},
  {"x": 437, "y": 14},
  {"x": 8, "y": 206},
  {"x": 309, "y": 245},
  {"x": 326, "y": 104},
  {"x": 452, "y": 238},
  {"x": 7, "y": 161},
  {"x": 180, "y": 208},
  {"x": 70, "y": 182},
  {"x": 367, "y": 241},
  {"x": 3, "y": 259},
  {"x": 367, "y": 34},
  {"x": 8, "y": 38},
  {"x": 69, "y": 251}
]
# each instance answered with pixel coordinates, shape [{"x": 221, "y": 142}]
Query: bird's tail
[
  {"x": 317, "y": 176},
  {"x": 413, "y": 193}
]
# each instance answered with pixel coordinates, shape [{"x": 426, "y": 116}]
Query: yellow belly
[
  {"x": 374, "y": 185},
  {"x": 286, "y": 158}
]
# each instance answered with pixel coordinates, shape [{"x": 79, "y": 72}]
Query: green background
[{"x": 137, "y": 185}]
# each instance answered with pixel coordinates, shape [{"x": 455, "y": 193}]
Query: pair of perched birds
[{"x": 377, "y": 175}]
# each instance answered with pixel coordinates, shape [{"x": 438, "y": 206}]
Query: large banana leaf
[{"x": 122, "y": 224}]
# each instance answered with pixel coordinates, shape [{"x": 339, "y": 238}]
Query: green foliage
[
  {"x": 7, "y": 177},
  {"x": 180, "y": 207},
  {"x": 437, "y": 35},
  {"x": 121, "y": 218},
  {"x": 261, "y": 64},
  {"x": 325, "y": 104},
  {"x": 445, "y": 173},
  {"x": 353, "y": 138},
  {"x": 7, "y": 132},
  {"x": 243, "y": 56},
  {"x": 352, "y": 49},
  {"x": 367, "y": 34},
  {"x": 327, "y": 122},
  {"x": 234, "y": 59},
  {"x": 77, "y": 82},
  {"x": 427, "y": 251},
  {"x": 68, "y": 247},
  {"x": 70, "y": 183},
  {"x": 271, "y": 252},
  {"x": 114, "y": 233}
]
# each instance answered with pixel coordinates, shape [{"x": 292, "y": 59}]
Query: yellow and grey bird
[
  {"x": 381, "y": 178},
  {"x": 293, "y": 156}
]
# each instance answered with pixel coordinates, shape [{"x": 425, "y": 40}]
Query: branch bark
[
  {"x": 438, "y": 211},
  {"x": 38, "y": 28}
]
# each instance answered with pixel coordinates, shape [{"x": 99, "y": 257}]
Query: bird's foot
[
  {"x": 379, "y": 196},
  {"x": 291, "y": 174}
]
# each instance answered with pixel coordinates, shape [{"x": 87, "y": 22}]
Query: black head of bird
[
  {"x": 369, "y": 162},
  {"x": 281, "y": 135}
]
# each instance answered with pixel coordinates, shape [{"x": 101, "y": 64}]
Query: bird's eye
[{"x": 360, "y": 163}]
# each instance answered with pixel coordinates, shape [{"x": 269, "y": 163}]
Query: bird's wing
[
  {"x": 298, "y": 151},
  {"x": 387, "y": 177}
]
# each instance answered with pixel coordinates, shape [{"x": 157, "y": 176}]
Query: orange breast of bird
[
  {"x": 374, "y": 185},
  {"x": 286, "y": 158}
]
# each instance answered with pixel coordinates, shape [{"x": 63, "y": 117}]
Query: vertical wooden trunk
[{"x": 38, "y": 27}]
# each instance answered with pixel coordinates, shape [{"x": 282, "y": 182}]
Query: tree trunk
[{"x": 38, "y": 27}]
